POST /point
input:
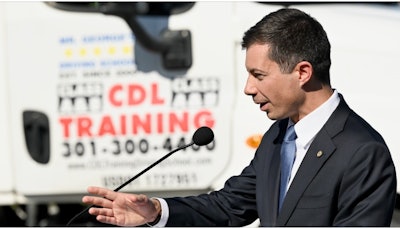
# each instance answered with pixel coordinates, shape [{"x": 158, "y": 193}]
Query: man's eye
[{"x": 258, "y": 75}]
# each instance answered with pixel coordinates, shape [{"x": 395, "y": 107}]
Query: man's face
[{"x": 277, "y": 93}]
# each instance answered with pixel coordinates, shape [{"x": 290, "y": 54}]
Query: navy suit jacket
[{"x": 347, "y": 178}]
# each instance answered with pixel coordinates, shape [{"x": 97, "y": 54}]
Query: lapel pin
[{"x": 320, "y": 153}]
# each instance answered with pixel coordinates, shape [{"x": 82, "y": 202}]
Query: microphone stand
[{"x": 133, "y": 178}]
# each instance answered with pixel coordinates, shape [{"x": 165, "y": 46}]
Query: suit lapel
[
  {"x": 320, "y": 151},
  {"x": 273, "y": 181}
]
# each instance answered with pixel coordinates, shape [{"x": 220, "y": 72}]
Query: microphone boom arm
[{"x": 151, "y": 166}]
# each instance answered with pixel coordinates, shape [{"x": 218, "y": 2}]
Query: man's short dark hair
[{"x": 293, "y": 36}]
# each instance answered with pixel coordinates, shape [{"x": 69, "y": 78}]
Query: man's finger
[
  {"x": 106, "y": 219},
  {"x": 98, "y": 201},
  {"x": 107, "y": 193},
  {"x": 101, "y": 211}
]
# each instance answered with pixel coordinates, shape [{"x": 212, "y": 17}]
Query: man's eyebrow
[{"x": 255, "y": 70}]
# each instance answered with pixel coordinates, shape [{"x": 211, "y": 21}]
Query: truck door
[{"x": 90, "y": 105}]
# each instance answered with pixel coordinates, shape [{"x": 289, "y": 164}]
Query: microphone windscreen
[{"x": 203, "y": 136}]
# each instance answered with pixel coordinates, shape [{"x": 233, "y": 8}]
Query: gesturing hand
[{"x": 121, "y": 209}]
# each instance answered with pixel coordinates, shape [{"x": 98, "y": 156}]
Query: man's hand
[{"x": 122, "y": 209}]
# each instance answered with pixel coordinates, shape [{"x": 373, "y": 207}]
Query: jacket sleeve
[
  {"x": 371, "y": 175},
  {"x": 233, "y": 205}
]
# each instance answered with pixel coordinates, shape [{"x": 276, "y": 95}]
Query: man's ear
[{"x": 305, "y": 72}]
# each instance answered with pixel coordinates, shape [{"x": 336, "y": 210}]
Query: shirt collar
[{"x": 308, "y": 127}]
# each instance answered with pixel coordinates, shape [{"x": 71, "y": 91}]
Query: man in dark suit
[{"x": 342, "y": 173}]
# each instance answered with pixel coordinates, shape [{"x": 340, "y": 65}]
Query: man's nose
[{"x": 249, "y": 88}]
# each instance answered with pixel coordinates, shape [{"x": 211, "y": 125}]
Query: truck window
[
  {"x": 175, "y": 46},
  {"x": 138, "y": 8}
]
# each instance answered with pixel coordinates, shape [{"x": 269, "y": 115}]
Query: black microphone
[{"x": 202, "y": 136}]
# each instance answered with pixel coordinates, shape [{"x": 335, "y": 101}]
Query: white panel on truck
[
  {"x": 97, "y": 108},
  {"x": 6, "y": 175}
]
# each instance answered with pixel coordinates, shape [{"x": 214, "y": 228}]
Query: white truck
[{"x": 93, "y": 93}]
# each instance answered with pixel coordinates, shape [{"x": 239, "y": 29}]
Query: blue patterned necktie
[{"x": 288, "y": 153}]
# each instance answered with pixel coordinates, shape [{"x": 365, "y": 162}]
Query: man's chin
[
  {"x": 270, "y": 116},
  {"x": 275, "y": 116}
]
